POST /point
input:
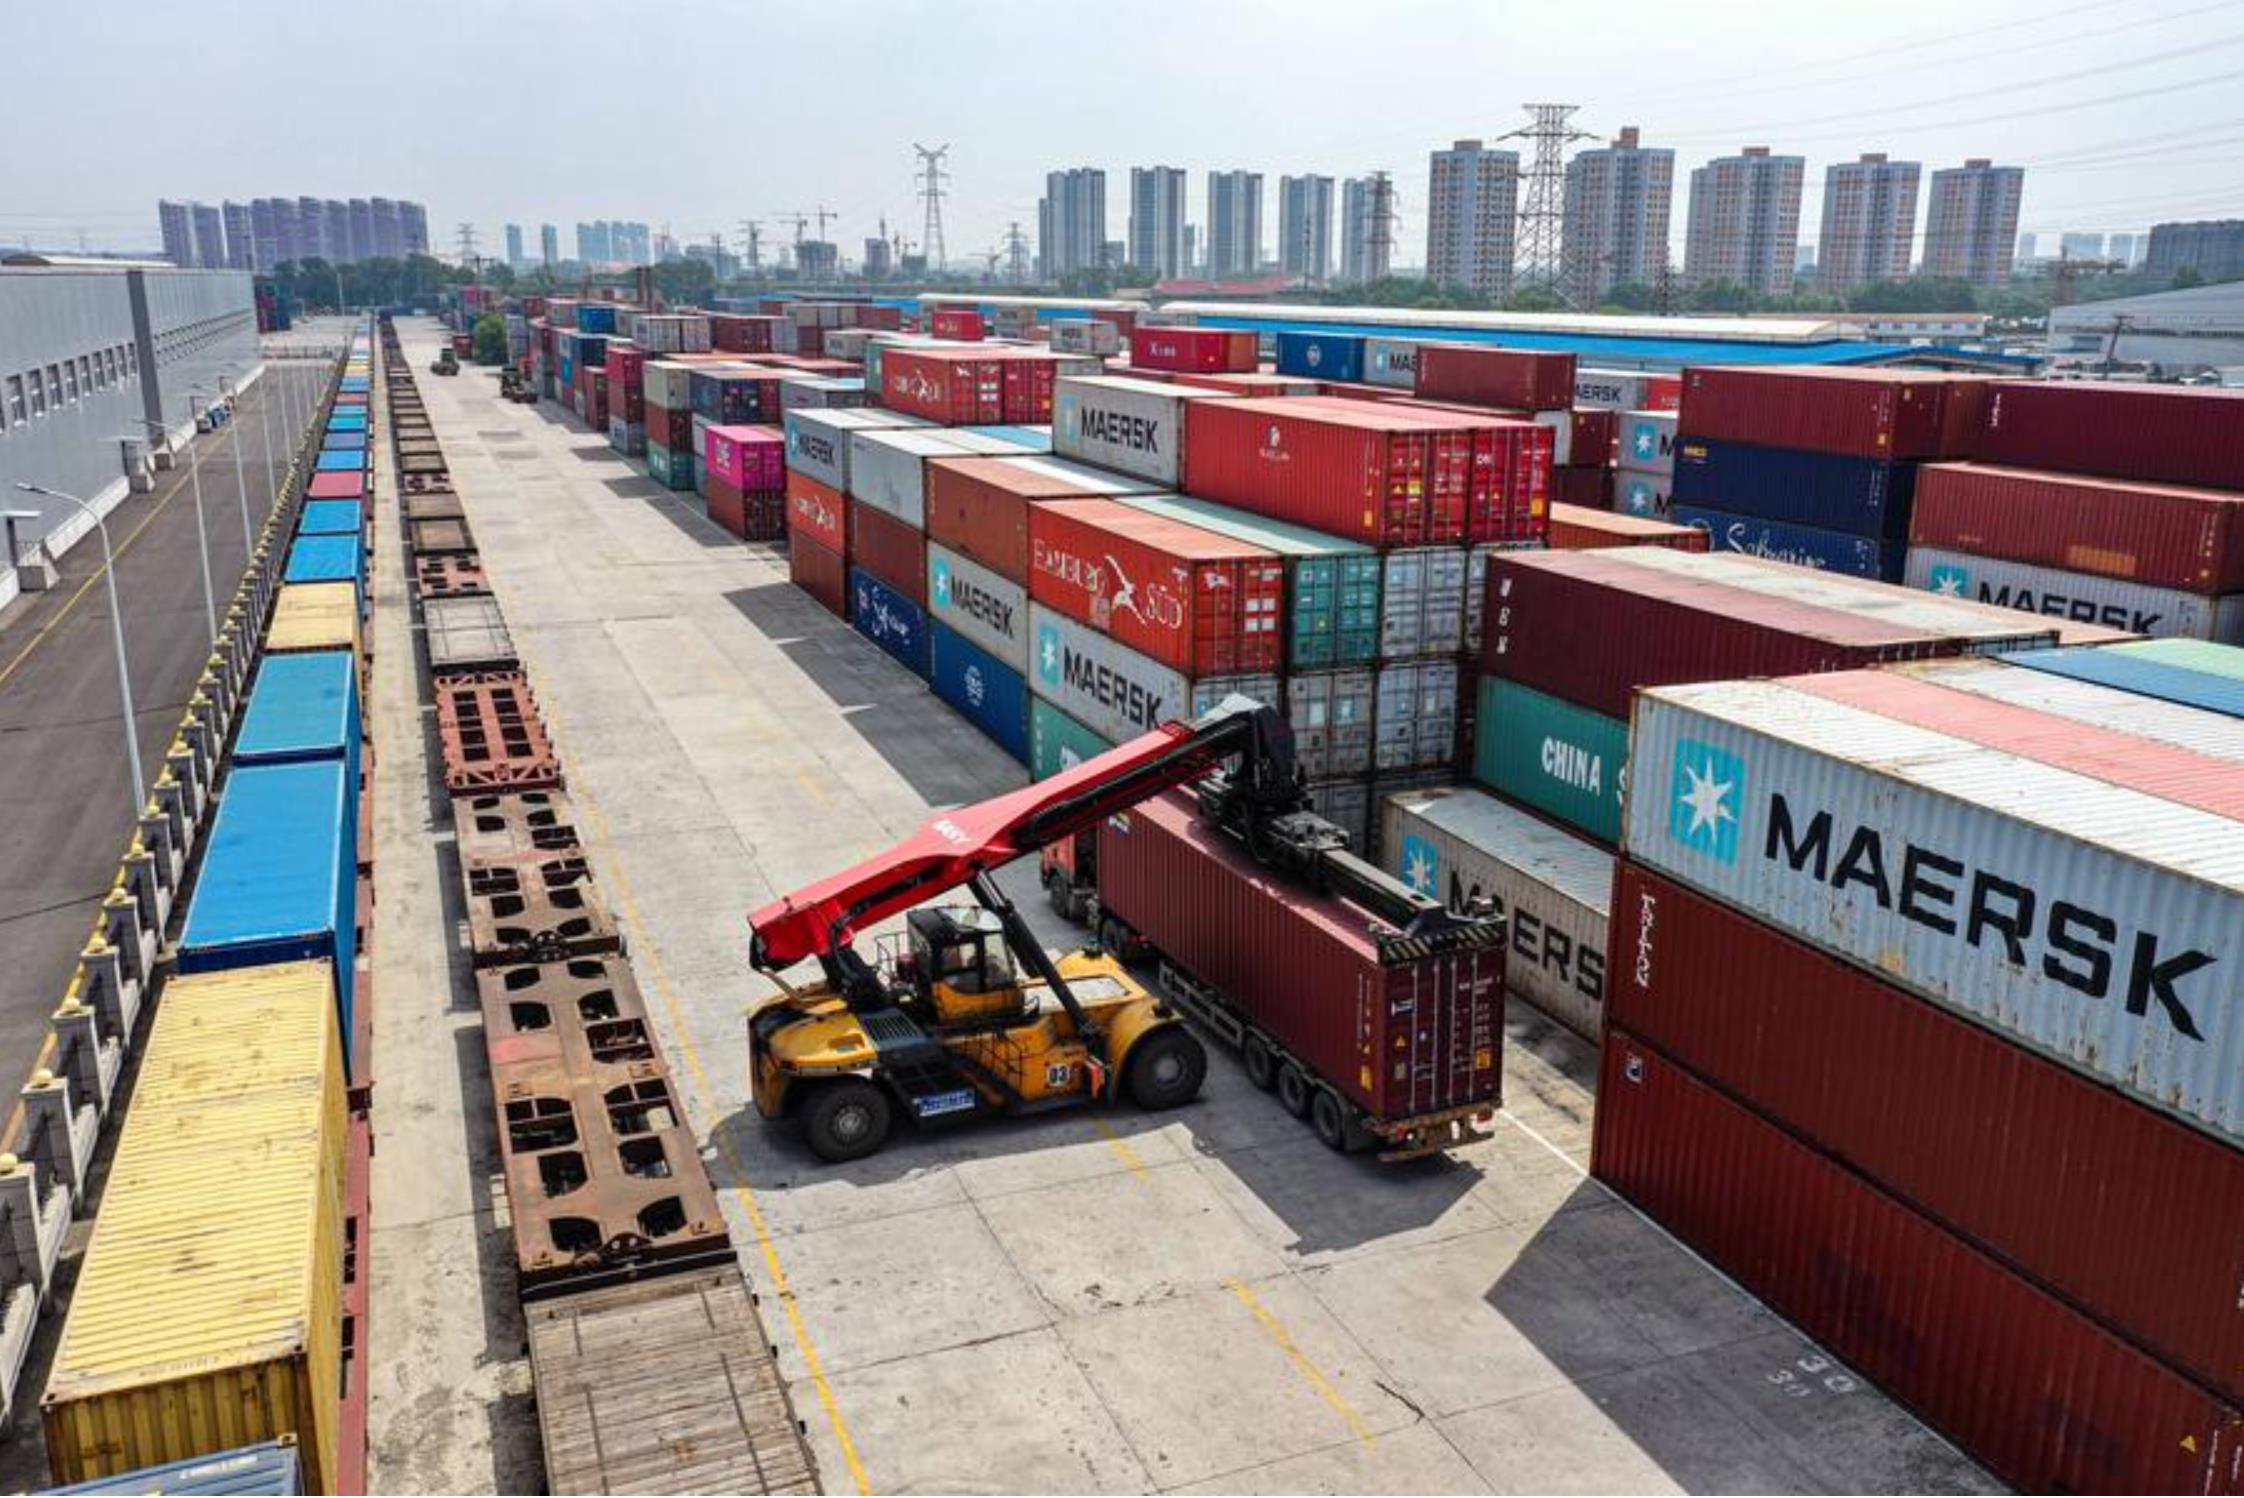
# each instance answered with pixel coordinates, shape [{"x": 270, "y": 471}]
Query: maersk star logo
[
  {"x": 1647, "y": 441},
  {"x": 942, "y": 583},
  {"x": 1708, "y": 790},
  {"x": 1048, "y": 654},
  {"x": 1421, "y": 864},
  {"x": 1952, "y": 582}
]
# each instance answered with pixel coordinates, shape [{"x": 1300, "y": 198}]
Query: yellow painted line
[
  {"x": 1122, "y": 1148},
  {"x": 1309, "y": 1371}
]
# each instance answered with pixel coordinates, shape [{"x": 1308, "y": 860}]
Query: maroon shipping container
[
  {"x": 1404, "y": 1038},
  {"x": 2068, "y": 1181},
  {"x": 1348, "y": 468},
  {"x": 1590, "y": 630},
  {"x": 1576, "y": 529},
  {"x": 889, "y": 549},
  {"x": 1188, "y": 598},
  {"x": 2160, "y": 434},
  {"x": 2168, "y": 537},
  {"x": 1588, "y": 488},
  {"x": 2025, "y": 1384},
  {"x": 982, "y": 386},
  {"x": 819, "y": 511},
  {"x": 882, "y": 319},
  {"x": 1590, "y": 445},
  {"x": 671, "y": 429},
  {"x": 979, "y": 507},
  {"x": 1202, "y": 350},
  {"x": 820, "y": 572},
  {"x": 760, "y": 516},
  {"x": 736, "y": 333},
  {"x": 1867, "y": 413},
  {"x": 1478, "y": 375},
  {"x": 1260, "y": 383},
  {"x": 963, "y": 324}
]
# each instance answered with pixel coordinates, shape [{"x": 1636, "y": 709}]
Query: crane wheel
[
  {"x": 1262, "y": 1066},
  {"x": 1166, "y": 1069},
  {"x": 846, "y": 1120},
  {"x": 1329, "y": 1119},
  {"x": 1293, "y": 1090}
]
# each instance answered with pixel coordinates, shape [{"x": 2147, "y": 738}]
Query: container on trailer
[
  {"x": 989, "y": 693},
  {"x": 888, "y": 469},
  {"x": 987, "y": 610},
  {"x": 889, "y": 619},
  {"x": 890, "y": 550},
  {"x": 1574, "y": 528},
  {"x": 208, "y": 1311},
  {"x": 1830, "y": 491},
  {"x": 1392, "y": 362},
  {"x": 1422, "y": 602},
  {"x": 1807, "y": 546},
  {"x": 302, "y": 706},
  {"x": 1137, "y": 427},
  {"x": 1894, "y": 1297},
  {"x": 980, "y": 507},
  {"x": 818, "y": 439},
  {"x": 1057, "y": 741},
  {"x": 343, "y": 441},
  {"x": 1205, "y": 350},
  {"x": 1414, "y": 715},
  {"x": 2158, "y": 535},
  {"x": 819, "y": 571},
  {"x": 332, "y": 517},
  {"x": 1484, "y": 375},
  {"x": 1867, "y": 413},
  {"x": 1627, "y": 390},
  {"x": 1203, "y": 603},
  {"x": 1400, "y": 1036},
  {"x": 2157, "y": 434},
  {"x": 1565, "y": 761},
  {"x": 1321, "y": 356},
  {"x": 270, "y": 1468},
  {"x": 2086, "y": 598},
  {"x": 1553, "y": 889},
  {"x": 314, "y": 616},
  {"x": 2153, "y": 668},
  {"x": 1331, "y": 714}
]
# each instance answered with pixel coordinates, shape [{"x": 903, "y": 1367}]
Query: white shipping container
[
  {"x": 1331, "y": 714},
  {"x": 1131, "y": 426},
  {"x": 2214, "y": 734},
  {"x": 819, "y": 392},
  {"x": 848, "y": 343},
  {"x": 1561, "y": 424},
  {"x": 1638, "y": 493},
  {"x": 668, "y": 385},
  {"x": 818, "y": 439},
  {"x": 2085, "y": 599},
  {"x": 672, "y": 333},
  {"x": 1391, "y": 361},
  {"x": 1611, "y": 389},
  {"x": 1647, "y": 443},
  {"x": 1422, "y": 602},
  {"x": 1553, "y": 889},
  {"x": 1113, "y": 690},
  {"x": 1414, "y": 716},
  {"x": 1087, "y": 335},
  {"x": 888, "y": 469},
  {"x": 2088, "y": 920},
  {"x": 979, "y": 605}
]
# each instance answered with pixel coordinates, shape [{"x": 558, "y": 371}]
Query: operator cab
[{"x": 959, "y": 966}]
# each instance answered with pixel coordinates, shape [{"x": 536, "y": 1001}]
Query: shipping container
[
  {"x": 889, "y": 549},
  {"x": 1867, "y": 413},
  {"x": 1829, "y": 491},
  {"x": 1574, "y": 528},
  {"x": 208, "y": 1311},
  {"x": 1188, "y": 598},
  {"x": 2089, "y": 702},
  {"x": 668, "y": 384},
  {"x": 818, "y": 439},
  {"x": 2160, "y": 536},
  {"x": 1627, "y": 390},
  {"x": 1392, "y": 362},
  {"x": 968, "y": 386},
  {"x": 979, "y": 507},
  {"x": 819, "y": 571},
  {"x": 822, "y": 392},
  {"x": 1331, "y": 714},
  {"x": 752, "y": 459},
  {"x": 1205, "y": 350},
  {"x": 314, "y": 616},
  {"x": 1057, "y": 741},
  {"x": 1135, "y": 427},
  {"x": 1344, "y": 801},
  {"x": 1565, "y": 761},
  {"x": 1414, "y": 715},
  {"x": 1320, "y": 356},
  {"x": 889, "y": 619},
  {"x": 1553, "y": 889},
  {"x": 888, "y": 469},
  {"x": 302, "y": 706},
  {"x": 981, "y": 607},
  {"x": 2022, "y": 1382},
  {"x": 960, "y": 324},
  {"x": 1650, "y": 496},
  {"x": 676, "y": 333},
  {"x": 989, "y": 693},
  {"x": 1115, "y": 691},
  {"x": 1352, "y": 469},
  {"x": 1483, "y": 375},
  {"x": 2136, "y": 608},
  {"x": 1647, "y": 443},
  {"x": 2155, "y": 434},
  {"x": 759, "y": 515},
  {"x": 1806, "y": 546},
  {"x": 2135, "y": 668},
  {"x": 332, "y": 517},
  {"x": 1085, "y": 335},
  {"x": 269, "y": 1470},
  {"x": 2087, "y": 919},
  {"x": 671, "y": 468},
  {"x": 1401, "y": 1037},
  {"x": 1033, "y": 441},
  {"x": 1258, "y": 384},
  {"x": 1422, "y": 602}
]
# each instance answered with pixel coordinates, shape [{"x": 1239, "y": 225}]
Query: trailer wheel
[
  {"x": 1114, "y": 938},
  {"x": 846, "y": 1120},
  {"x": 1166, "y": 1069},
  {"x": 1061, "y": 892},
  {"x": 1330, "y": 1119},
  {"x": 1293, "y": 1090},
  {"x": 1262, "y": 1066}
]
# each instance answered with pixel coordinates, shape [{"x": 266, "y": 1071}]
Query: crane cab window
[{"x": 963, "y": 948}]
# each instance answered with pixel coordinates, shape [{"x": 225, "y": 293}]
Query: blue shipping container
[
  {"x": 332, "y": 517},
  {"x": 271, "y": 1470},
  {"x": 357, "y": 383},
  {"x": 342, "y": 462},
  {"x": 595, "y": 317},
  {"x": 352, "y": 420},
  {"x": 1801, "y": 545},
  {"x": 343, "y": 441},
  {"x": 991, "y": 694},
  {"x": 1861, "y": 496},
  {"x": 1027, "y": 439},
  {"x": 302, "y": 706},
  {"x": 889, "y": 619},
  {"x": 326, "y": 559},
  {"x": 2115, "y": 666},
  {"x": 1321, "y": 356}
]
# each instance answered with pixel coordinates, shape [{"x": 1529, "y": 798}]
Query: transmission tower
[
  {"x": 1379, "y": 233},
  {"x": 1542, "y": 213},
  {"x": 1016, "y": 254},
  {"x": 466, "y": 237},
  {"x": 932, "y": 178}
]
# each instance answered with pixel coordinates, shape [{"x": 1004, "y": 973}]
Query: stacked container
[
  {"x": 747, "y": 467},
  {"x": 817, "y": 449}
]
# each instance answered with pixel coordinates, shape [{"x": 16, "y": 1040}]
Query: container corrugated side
[
  {"x": 1870, "y": 413},
  {"x": 301, "y": 706},
  {"x": 2088, "y": 702},
  {"x": 988, "y": 611},
  {"x": 277, "y": 871},
  {"x": 1057, "y": 741},
  {"x": 2084, "y": 598},
  {"x": 1522, "y": 379},
  {"x": 889, "y": 549},
  {"x": 889, "y": 619},
  {"x": 980, "y": 507},
  {"x": 332, "y": 517},
  {"x": 270, "y": 1469},
  {"x": 888, "y": 469},
  {"x": 989, "y": 693},
  {"x": 208, "y": 1313},
  {"x": 1578, "y": 528},
  {"x": 2160, "y": 434},
  {"x": 1135, "y": 427},
  {"x": 1829, "y": 491},
  {"x": 2120, "y": 666},
  {"x": 1422, "y": 602},
  {"x": 2096, "y": 923},
  {"x": 2026, "y": 1385},
  {"x": 314, "y": 616},
  {"x": 1565, "y": 761},
  {"x": 2158, "y": 535},
  {"x": 1414, "y": 715},
  {"x": 1553, "y": 889},
  {"x": 821, "y": 572},
  {"x": 1806, "y": 546},
  {"x": 1331, "y": 715},
  {"x": 818, "y": 438},
  {"x": 1189, "y": 598}
]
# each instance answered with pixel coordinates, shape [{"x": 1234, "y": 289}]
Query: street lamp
[
  {"x": 202, "y": 530},
  {"x": 241, "y": 473},
  {"x": 116, "y": 632},
  {"x": 265, "y": 425}
]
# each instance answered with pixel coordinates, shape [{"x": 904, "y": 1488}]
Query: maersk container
[
  {"x": 332, "y": 517},
  {"x": 2023, "y": 1383},
  {"x": 1189, "y": 598},
  {"x": 889, "y": 549},
  {"x": 888, "y": 469},
  {"x": 1392, "y": 362},
  {"x": 986, "y": 610},
  {"x": 889, "y": 619},
  {"x": 1113, "y": 690},
  {"x": 990, "y": 694},
  {"x": 1626, "y": 390},
  {"x": 1829, "y": 491},
  {"x": 980, "y": 507},
  {"x": 1647, "y": 443},
  {"x": 1868, "y": 413},
  {"x": 1483, "y": 375},
  {"x": 268, "y": 1470},
  {"x": 1649, "y": 496},
  {"x": 818, "y": 439},
  {"x": 2133, "y": 668},
  {"x": 1058, "y": 742},
  {"x": 1321, "y": 356},
  {"x": 302, "y": 706},
  {"x": 2159, "y": 434},
  {"x": 2085, "y": 598},
  {"x": 2095, "y": 922},
  {"x": 1401, "y": 1035},
  {"x": 1795, "y": 545},
  {"x": 1565, "y": 761},
  {"x": 1333, "y": 587},
  {"x": 1552, "y": 888},
  {"x": 1036, "y": 441},
  {"x": 2089, "y": 702},
  {"x": 1577, "y": 528},
  {"x": 2154, "y": 535},
  {"x": 1414, "y": 715},
  {"x": 1136, "y": 427},
  {"x": 1331, "y": 714},
  {"x": 1422, "y": 602}
]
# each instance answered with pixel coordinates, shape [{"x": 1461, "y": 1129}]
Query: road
[{"x": 64, "y": 803}]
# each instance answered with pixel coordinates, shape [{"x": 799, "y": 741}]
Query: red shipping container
[
  {"x": 2026, "y": 1385},
  {"x": 350, "y": 485},
  {"x": 889, "y": 549},
  {"x": 980, "y": 507},
  {"x": 1350, "y": 469},
  {"x": 1867, "y": 413},
  {"x": 672, "y": 430},
  {"x": 1188, "y": 598},
  {"x": 1505, "y": 493},
  {"x": 820, "y": 572},
  {"x": 1576, "y": 529},
  {"x": 1590, "y": 630},
  {"x": 819, "y": 511},
  {"x": 1477, "y": 374},
  {"x": 1206, "y": 350},
  {"x": 2159, "y": 434},
  {"x": 752, "y": 459},
  {"x": 752, "y": 517},
  {"x": 1028, "y": 386},
  {"x": 2161, "y": 535},
  {"x": 1401, "y": 1037},
  {"x": 2066, "y": 1179},
  {"x": 963, "y": 324},
  {"x": 1591, "y": 443},
  {"x": 881, "y": 319},
  {"x": 734, "y": 333},
  {"x": 1260, "y": 383},
  {"x": 953, "y": 386},
  {"x": 1123, "y": 318}
]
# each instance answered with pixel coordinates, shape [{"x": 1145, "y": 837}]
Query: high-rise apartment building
[
  {"x": 177, "y": 220},
  {"x": 1744, "y": 224},
  {"x": 413, "y": 221},
  {"x": 880, "y": 259},
  {"x": 1071, "y": 222},
  {"x": 1305, "y": 228},
  {"x": 2122, "y": 248},
  {"x": 268, "y": 232},
  {"x": 514, "y": 247},
  {"x": 1366, "y": 227},
  {"x": 2214, "y": 248},
  {"x": 2076, "y": 246},
  {"x": 549, "y": 245},
  {"x": 1157, "y": 220},
  {"x": 1234, "y": 224},
  {"x": 362, "y": 230},
  {"x": 2027, "y": 246},
  {"x": 1472, "y": 218},
  {"x": 1869, "y": 222},
  {"x": 1972, "y": 224},
  {"x": 241, "y": 237},
  {"x": 1618, "y": 202}
]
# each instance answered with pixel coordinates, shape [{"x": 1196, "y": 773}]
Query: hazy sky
[{"x": 700, "y": 113}]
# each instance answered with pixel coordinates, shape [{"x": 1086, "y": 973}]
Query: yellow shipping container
[
  {"x": 314, "y": 616},
  {"x": 209, "y": 1311}
]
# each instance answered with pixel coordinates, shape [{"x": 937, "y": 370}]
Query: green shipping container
[
  {"x": 1558, "y": 758},
  {"x": 1057, "y": 741},
  {"x": 2188, "y": 655},
  {"x": 1332, "y": 585},
  {"x": 671, "y": 470}
]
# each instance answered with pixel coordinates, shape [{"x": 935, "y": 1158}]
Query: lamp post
[
  {"x": 241, "y": 472},
  {"x": 202, "y": 529},
  {"x": 265, "y": 425},
  {"x": 116, "y": 635}
]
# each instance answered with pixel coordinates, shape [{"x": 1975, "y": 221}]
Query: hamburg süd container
[
  {"x": 1483, "y": 375},
  {"x": 1806, "y": 546},
  {"x": 1058, "y": 742},
  {"x": 889, "y": 619},
  {"x": 982, "y": 608},
  {"x": 1203, "y": 350},
  {"x": 1565, "y": 761},
  {"x": 2086, "y": 598},
  {"x": 1186, "y": 597},
  {"x": 1829, "y": 491},
  {"x": 2155, "y": 434},
  {"x": 2156, "y": 535},
  {"x": 979, "y": 506},
  {"x": 1137, "y": 427},
  {"x": 819, "y": 571},
  {"x": 1898, "y": 1299},
  {"x": 2086, "y": 918},
  {"x": 1402, "y": 1036},
  {"x": 817, "y": 511},
  {"x": 1866, "y": 413},
  {"x": 889, "y": 549},
  {"x": 988, "y": 693},
  {"x": 888, "y": 469},
  {"x": 1575, "y": 528},
  {"x": 1553, "y": 889}
]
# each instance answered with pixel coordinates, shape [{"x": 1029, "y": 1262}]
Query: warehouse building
[{"x": 2174, "y": 332}]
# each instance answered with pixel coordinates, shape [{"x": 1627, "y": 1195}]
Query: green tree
[
  {"x": 490, "y": 339},
  {"x": 1537, "y": 298},
  {"x": 685, "y": 281},
  {"x": 1719, "y": 296},
  {"x": 1917, "y": 294}
]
